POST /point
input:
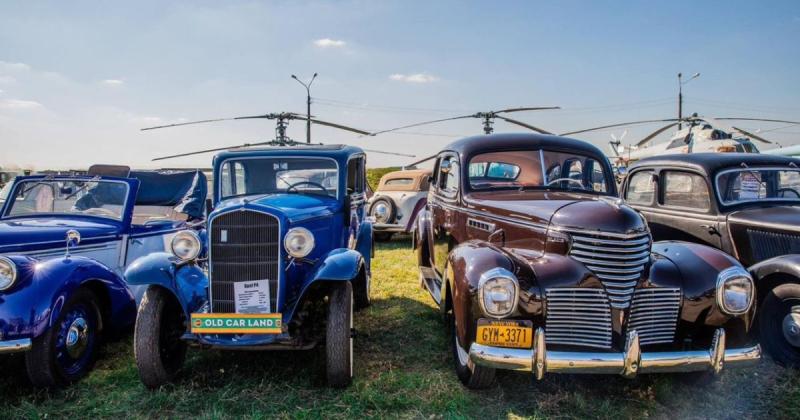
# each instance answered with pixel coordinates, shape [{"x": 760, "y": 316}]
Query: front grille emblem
[{"x": 223, "y": 235}]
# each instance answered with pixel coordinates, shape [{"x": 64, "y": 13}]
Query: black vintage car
[{"x": 747, "y": 205}]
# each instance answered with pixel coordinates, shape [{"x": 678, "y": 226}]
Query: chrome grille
[
  {"x": 579, "y": 317},
  {"x": 765, "y": 245},
  {"x": 654, "y": 314},
  {"x": 617, "y": 262},
  {"x": 245, "y": 246}
]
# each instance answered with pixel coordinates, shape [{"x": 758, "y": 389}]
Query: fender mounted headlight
[
  {"x": 186, "y": 245},
  {"x": 735, "y": 291},
  {"x": 498, "y": 291},
  {"x": 8, "y": 273},
  {"x": 299, "y": 242}
]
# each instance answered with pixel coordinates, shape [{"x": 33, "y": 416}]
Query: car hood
[
  {"x": 563, "y": 209},
  {"x": 42, "y": 233},
  {"x": 778, "y": 218},
  {"x": 294, "y": 207}
]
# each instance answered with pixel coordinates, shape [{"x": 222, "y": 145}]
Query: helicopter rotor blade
[
  {"x": 334, "y": 125},
  {"x": 388, "y": 153},
  {"x": 420, "y": 124},
  {"x": 217, "y": 149},
  {"x": 751, "y": 135},
  {"x": 420, "y": 161},
  {"x": 187, "y": 123},
  {"x": 758, "y": 119},
  {"x": 647, "y": 139},
  {"x": 522, "y": 124},
  {"x": 536, "y": 108},
  {"x": 618, "y": 125}
]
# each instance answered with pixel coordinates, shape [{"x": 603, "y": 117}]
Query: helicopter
[
  {"x": 701, "y": 134},
  {"x": 487, "y": 119},
  {"x": 281, "y": 138}
]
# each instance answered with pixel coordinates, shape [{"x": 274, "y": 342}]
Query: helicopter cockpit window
[{"x": 312, "y": 176}]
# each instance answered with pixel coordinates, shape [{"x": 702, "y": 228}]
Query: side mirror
[
  {"x": 73, "y": 239},
  {"x": 445, "y": 166}
]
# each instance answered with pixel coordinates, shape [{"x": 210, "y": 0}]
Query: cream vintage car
[{"x": 396, "y": 202}]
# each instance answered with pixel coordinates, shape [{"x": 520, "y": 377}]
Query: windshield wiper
[
  {"x": 48, "y": 178},
  {"x": 83, "y": 187}
]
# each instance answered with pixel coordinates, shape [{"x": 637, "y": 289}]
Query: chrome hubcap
[
  {"x": 381, "y": 212},
  {"x": 77, "y": 338},
  {"x": 791, "y": 326}
]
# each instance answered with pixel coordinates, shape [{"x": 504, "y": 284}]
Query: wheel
[
  {"x": 779, "y": 324},
  {"x": 383, "y": 236},
  {"x": 157, "y": 344},
  {"x": 66, "y": 352},
  {"x": 339, "y": 336},
  {"x": 471, "y": 375},
  {"x": 383, "y": 210},
  {"x": 362, "y": 292}
]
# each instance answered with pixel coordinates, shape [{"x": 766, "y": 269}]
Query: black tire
[
  {"x": 361, "y": 294},
  {"x": 477, "y": 377},
  {"x": 339, "y": 336},
  {"x": 52, "y": 361},
  {"x": 389, "y": 203},
  {"x": 777, "y": 305},
  {"x": 383, "y": 236},
  {"x": 157, "y": 346}
]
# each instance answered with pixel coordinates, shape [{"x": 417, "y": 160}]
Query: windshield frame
[
  {"x": 218, "y": 178},
  {"x": 19, "y": 182},
  {"x": 611, "y": 185},
  {"x": 722, "y": 202}
]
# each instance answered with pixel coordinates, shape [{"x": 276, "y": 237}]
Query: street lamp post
[
  {"x": 308, "y": 104},
  {"x": 680, "y": 95}
]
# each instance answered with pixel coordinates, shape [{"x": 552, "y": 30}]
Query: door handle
[{"x": 712, "y": 230}]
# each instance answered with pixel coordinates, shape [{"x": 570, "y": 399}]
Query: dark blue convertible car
[
  {"x": 64, "y": 244},
  {"x": 286, "y": 259}
]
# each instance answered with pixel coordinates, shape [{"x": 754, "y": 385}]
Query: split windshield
[
  {"x": 68, "y": 196},
  {"x": 241, "y": 177},
  {"x": 744, "y": 185},
  {"x": 537, "y": 169}
]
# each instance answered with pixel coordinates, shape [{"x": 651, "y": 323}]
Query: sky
[{"x": 79, "y": 79}]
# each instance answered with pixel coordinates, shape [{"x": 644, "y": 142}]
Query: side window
[
  {"x": 682, "y": 189},
  {"x": 355, "y": 178},
  {"x": 641, "y": 188},
  {"x": 598, "y": 179}
]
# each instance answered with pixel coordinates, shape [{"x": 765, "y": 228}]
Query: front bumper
[
  {"x": 628, "y": 363},
  {"x": 15, "y": 346}
]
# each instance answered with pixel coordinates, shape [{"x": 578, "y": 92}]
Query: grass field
[{"x": 403, "y": 369}]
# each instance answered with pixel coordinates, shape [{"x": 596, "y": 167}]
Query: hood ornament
[
  {"x": 616, "y": 202},
  {"x": 73, "y": 238}
]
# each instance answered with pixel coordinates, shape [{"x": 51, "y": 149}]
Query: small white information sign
[
  {"x": 750, "y": 187},
  {"x": 252, "y": 297}
]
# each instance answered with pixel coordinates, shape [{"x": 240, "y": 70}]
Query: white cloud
[
  {"x": 329, "y": 43},
  {"x": 19, "y": 104},
  {"x": 112, "y": 82},
  {"x": 14, "y": 66},
  {"x": 7, "y": 79},
  {"x": 414, "y": 78}
]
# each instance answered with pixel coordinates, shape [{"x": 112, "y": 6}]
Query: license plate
[
  {"x": 236, "y": 323},
  {"x": 517, "y": 334}
]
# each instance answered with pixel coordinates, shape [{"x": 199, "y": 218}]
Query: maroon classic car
[{"x": 537, "y": 266}]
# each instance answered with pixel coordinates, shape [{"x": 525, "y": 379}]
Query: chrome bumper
[
  {"x": 15, "y": 346},
  {"x": 628, "y": 363}
]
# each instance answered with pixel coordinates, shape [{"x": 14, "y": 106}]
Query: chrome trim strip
[
  {"x": 492, "y": 216},
  {"x": 60, "y": 243},
  {"x": 15, "y": 346}
]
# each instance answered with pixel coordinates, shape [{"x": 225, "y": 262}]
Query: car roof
[
  {"x": 514, "y": 141},
  {"x": 710, "y": 163},
  {"x": 336, "y": 151}
]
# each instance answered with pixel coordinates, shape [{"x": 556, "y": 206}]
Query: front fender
[
  {"x": 775, "y": 271},
  {"x": 33, "y": 305},
  {"x": 187, "y": 282}
]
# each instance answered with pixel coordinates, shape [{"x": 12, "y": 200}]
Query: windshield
[
  {"x": 537, "y": 169},
  {"x": 68, "y": 196},
  {"x": 315, "y": 176},
  {"x": 743, "y": 185}
]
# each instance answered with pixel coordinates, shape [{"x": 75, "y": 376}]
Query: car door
[{"x": 444, "y": 192}]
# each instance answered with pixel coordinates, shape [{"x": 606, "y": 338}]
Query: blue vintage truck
[
  {"x": 284, "y": 260},
  {"x": 64, "y": 244}
]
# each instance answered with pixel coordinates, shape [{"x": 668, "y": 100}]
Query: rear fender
[{"x": 187, "y": 282}]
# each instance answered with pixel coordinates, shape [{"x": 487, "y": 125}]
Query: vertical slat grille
[
  {"x": 245, "y": 246},
  {"x": 654, "y": 314},
  {"x": 618, "y": 263},
  {"x": 765, "y": 245},
  {"x": 579, "y": 317}
]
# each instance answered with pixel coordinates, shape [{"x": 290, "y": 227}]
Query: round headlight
[
  {"x": 299, "y": 242},
  {"x": 498, "y": 290},
  {"x": 735, "y": 291},
  {"x": 186, "y": 245},
  {"x": 8, "y": 273}
]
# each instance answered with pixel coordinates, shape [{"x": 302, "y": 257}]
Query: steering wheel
[
  {"x": 782, "y": 192},
  {"x": 313, "y": 184},
  {"x": 575, "y": 181},
  {"x": 99, "y": 211}
]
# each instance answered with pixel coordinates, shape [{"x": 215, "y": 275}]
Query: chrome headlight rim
[
  {"x": 730, "y": 274},
  {"x": 195, "y": 240},
  {"x": 13, "y": 268},
  {"x": 498, "y": 273},
  {"x": 310, "y": 241}
]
